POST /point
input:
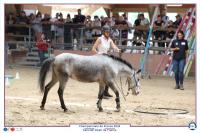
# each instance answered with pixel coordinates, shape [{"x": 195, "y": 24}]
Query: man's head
[
  {"x": 141, "y": 16},
  {"x": 79, "y": 11},
  {"x": 178, "y": 16}
]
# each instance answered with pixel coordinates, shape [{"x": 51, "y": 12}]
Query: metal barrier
[{"x": 75, "y": 33}]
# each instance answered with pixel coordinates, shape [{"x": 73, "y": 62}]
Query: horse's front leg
[
  {"x": 100, "y": 97},
  {"x": 113, "y": 87}
]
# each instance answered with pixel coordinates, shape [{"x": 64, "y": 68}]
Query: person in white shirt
[{"x": 102, "y": 45}]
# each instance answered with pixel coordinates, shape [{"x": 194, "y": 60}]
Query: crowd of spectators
[{"x": 54, "y": 27}]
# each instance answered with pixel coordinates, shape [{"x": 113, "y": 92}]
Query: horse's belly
[{"x": 85, "y": 77}]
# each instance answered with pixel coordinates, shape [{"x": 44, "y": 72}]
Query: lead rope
[{"x": 121, "y": 90}]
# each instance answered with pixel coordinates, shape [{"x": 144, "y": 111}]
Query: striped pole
[{"x": 144, "y": 58}]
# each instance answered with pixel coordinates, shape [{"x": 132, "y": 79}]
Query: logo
[
  {"x": 192, "y": 125},
  {"x": 183, "y": 43},
  {"x": 12, "y": 129}
]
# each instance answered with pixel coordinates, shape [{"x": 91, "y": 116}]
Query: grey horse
[{"x": 101, "y": 68}]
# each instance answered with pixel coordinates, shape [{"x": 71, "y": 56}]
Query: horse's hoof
[
  {"x": 100, "y": 109},
  {"x": 65, "y": 110},
  {"x": 118, "y": 110},
  {"x": 42, "y": 108}
]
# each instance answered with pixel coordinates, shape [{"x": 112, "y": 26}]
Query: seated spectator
[
  {"x": 159, "y": 35},
  {"x": 96, "y": 32},
  {"x": 178, "y": 20}
]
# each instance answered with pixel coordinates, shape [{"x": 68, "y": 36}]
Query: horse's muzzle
[{"x": 136, "y": 90}]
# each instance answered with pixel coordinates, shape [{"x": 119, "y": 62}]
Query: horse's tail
[{"x": 43, "y": 72}]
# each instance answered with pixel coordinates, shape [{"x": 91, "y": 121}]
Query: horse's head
[{"x": 134, "y": 82}]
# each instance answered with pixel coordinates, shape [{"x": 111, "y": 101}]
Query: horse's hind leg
[
  {"x": 47, "y": 88},
  {"x": 100, "y": 96},
  {"x": 63, "y": 80},
  {"x": 112, "y": 86}
]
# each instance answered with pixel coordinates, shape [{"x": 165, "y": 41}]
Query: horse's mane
[{"x": 119, "y": 59}]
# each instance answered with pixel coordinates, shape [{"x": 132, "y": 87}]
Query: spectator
[
  {"x": 60, "y": 30},
  {"x": 114, "y": 31},
  {"x": 68, "y": 19},
  {"x": 96, "y": 32},
  {"x": 10, "y": 20},
  {"x": 137, "y": 35},
  {"x": 164, "y": 16},
  {"x": 122, "y": 25},
  {"x": 129, "y": 24},
  {"x": 88, "y": 31},
  {"x": 54, "y": 27},
  {"x": 36, "y": 23},
  {"x": 178, "y": 20},
  {"x": 102, "y": 19},
  {"x": 144, "y": 22},
  {"x": 22, "y": 19},
  {"x": 46, "y": 26},
  {"x": 159, "y": 35},
  {"x": 78, "y": 19},
  {"x": 67, "y": 30},
  {"x": 170, "y": 33}
]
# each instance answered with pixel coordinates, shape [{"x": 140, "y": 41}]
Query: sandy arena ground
[{"x": 23, "y": 98}]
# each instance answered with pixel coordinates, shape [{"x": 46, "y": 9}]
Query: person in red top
[{"x": 42, "y": 46}]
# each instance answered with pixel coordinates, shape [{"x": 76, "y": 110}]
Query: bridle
[{"x": 136, "y": 84}]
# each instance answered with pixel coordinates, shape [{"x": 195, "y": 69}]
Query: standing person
[
  {"x": 79, "y": 19},
  {"x": 96, "y": 24},
  {"x": 60, "y": 28},
  {"x": 178, "y": 21},
  {"x": 144, "y": 22},
  {"x": 103, "y": 45},
  {"x": 159, "y": 35},
  {"x": 180, "y": 52},
  {"x": 122, "y": 25},
  {"x": 42, "y": 46}
]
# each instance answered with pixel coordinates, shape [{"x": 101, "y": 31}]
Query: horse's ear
[{"x": 138, "y": 71}]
